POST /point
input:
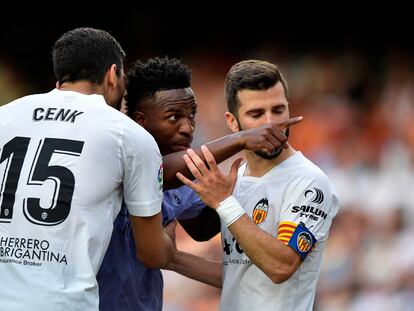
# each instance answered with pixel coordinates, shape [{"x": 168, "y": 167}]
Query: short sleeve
[
  {"x": 193, "y": 205},
  {"x": 143, "y": 172},
  {"x": 311, "y": 201},
  {"x": 181, "y": 203}
]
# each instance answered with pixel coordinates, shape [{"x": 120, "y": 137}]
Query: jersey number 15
[{"x": 15, "y": 153}]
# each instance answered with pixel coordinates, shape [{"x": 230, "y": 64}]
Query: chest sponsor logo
[
  {"x": 260, "y": 211},
  {"x": 309, "y": 212},
  {"x": 230, "y": 246},
  {"x": 233, "y": 254}
]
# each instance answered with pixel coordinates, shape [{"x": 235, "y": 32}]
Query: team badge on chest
[{"x": 260, "y": 211}]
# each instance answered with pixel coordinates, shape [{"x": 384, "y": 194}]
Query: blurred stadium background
[{"x": 350, "y": 74}]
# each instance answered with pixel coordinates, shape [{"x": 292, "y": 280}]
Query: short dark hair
[
  {"x": 250, "y": 75},
  {"x": 156, "y": 74},
  {"x": 86, "y": 54}
]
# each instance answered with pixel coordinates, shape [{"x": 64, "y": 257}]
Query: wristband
[{"x": 229, "y": 210}]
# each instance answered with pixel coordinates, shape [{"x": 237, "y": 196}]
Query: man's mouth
[{"x": 182, "y": 146}]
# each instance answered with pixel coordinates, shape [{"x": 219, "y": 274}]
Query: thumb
[{"x": 235, "y": 167}]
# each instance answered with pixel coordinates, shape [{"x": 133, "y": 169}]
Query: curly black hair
[{"x": 156, "y": 74}]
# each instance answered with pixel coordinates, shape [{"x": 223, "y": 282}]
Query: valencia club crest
[{"x": 260, "y": 211}]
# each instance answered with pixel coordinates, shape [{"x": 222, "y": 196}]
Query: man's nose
[
  {"x": 269, "y": 117},
  {"x": 187, "y": 127}
]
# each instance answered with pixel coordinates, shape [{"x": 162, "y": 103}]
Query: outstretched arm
[
  {"x": 268, "y": 136},
  {"x": 195, "y": 267},
  {"x": 272, "y": 256}
]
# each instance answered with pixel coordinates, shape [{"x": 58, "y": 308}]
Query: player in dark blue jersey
[{"x": 160, "y": 98}]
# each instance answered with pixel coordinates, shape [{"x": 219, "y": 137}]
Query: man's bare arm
[
  {"x": 268, "y": 136},
  {"x": 197, "y": 268},
  {"x": 277, "y": 260},
  {"x": 154, "y": 247}
]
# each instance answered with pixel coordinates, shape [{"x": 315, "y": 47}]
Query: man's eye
[
  {"x": 173, "y": 118},
  {"x": 255, "y": 115}
]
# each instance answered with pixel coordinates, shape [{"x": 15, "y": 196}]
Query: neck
[
  {"x": 83, "y": 87},
  {"x": 257, "y": 166}
]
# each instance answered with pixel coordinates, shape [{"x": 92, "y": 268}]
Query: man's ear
[
  {"x": 139, "y": 117},
  {"x": 112, "y": 76},
  {"x": 231, "y": 121}
]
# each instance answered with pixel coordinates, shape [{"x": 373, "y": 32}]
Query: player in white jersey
[
  {"x": 67, "y": 158},
  {"x": 276, "y": 223}
]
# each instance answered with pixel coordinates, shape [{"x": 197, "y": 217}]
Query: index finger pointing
[{"x": 289, "y": 122}]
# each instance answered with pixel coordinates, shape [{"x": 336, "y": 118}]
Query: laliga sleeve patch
[
  {"x": 160, "y": 177},
  {"x": 302, "y": 241}
]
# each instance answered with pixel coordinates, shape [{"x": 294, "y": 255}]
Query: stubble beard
[{"x": 274, "y": 153}]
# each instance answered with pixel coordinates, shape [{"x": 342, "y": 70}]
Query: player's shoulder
[
  {"x": 133, "y": 129},
  {"x": 135, "y": 137},
  {"x": 303, "y": 172},
  {"x": 308, "y": 168},
  {"x": 22, "y": 99}
]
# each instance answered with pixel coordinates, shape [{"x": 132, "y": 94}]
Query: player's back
[{"x": 61, "y": 172}]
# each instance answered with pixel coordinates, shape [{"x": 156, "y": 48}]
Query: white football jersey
[
  {"x": 66, "y": 162},
  {"x": 294, "y": 191}
]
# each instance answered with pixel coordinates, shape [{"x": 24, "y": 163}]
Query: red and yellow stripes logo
[{"x": 285, "y": 231}]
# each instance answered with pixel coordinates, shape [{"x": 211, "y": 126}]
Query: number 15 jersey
[{"x": 66, "y": 161}]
